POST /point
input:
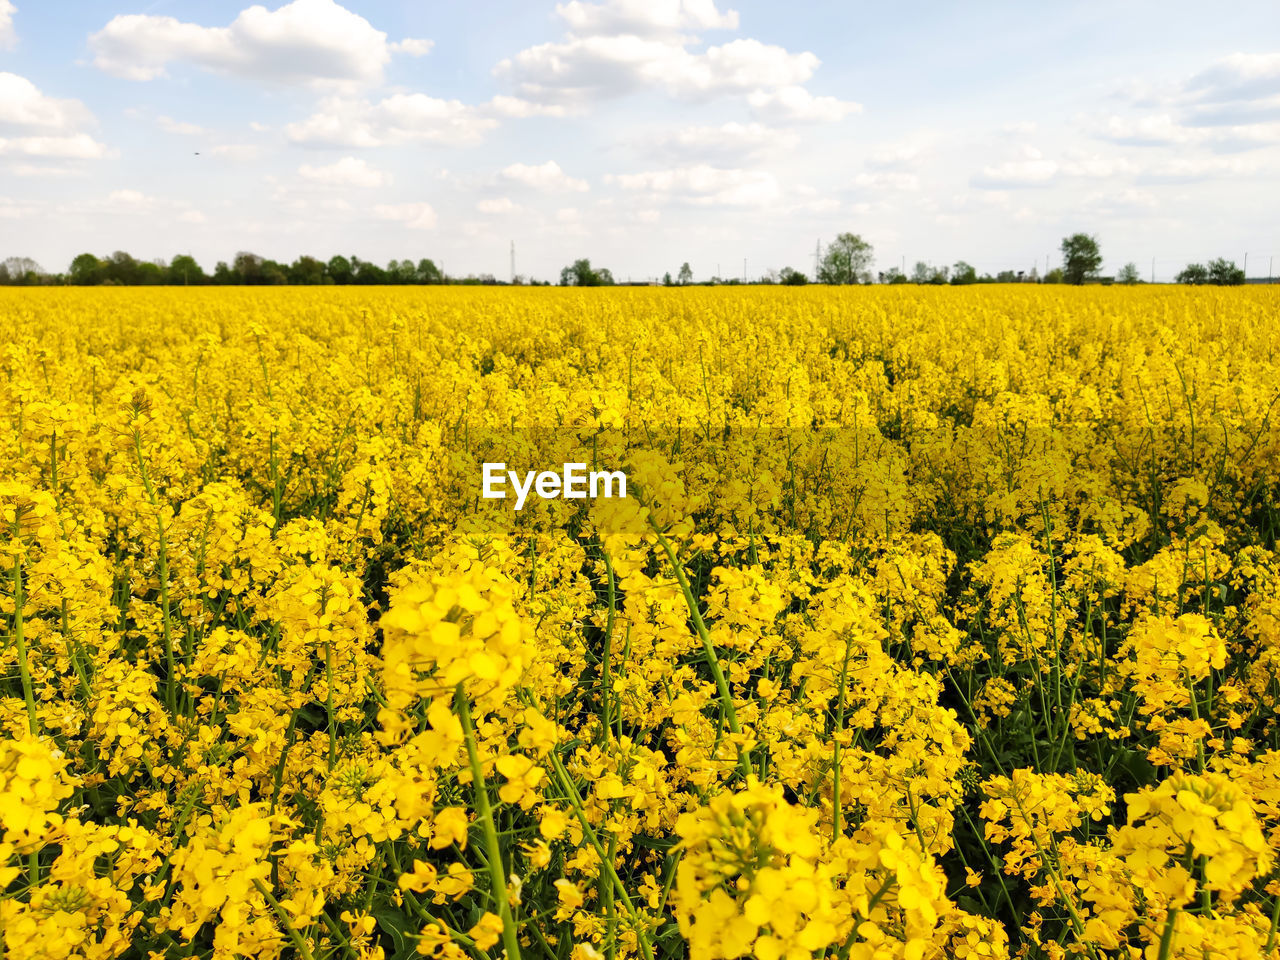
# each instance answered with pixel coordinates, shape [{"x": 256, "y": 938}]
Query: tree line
[
  {"x": 121, "y": 269},
  {"x": 846, "y": 260}
]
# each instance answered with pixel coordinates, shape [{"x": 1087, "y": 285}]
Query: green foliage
[
  {"x": 1193, "y": 274},
  {"x": 1225, "y": 273},
  {"x": 1081, "y": 258},
  {"x": 1128, "y": 274},
  {"x": 581, "y": 274},
  {"x": 847, "y": 260}
]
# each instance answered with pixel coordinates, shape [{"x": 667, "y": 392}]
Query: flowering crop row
[{"x": 936, "y": 623}]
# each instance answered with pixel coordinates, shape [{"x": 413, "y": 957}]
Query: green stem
[
  {"x": 606, "y": 679},
  {"x": 19, "y": 637},
  {"x": 303, "y": 950},
  {"x": 708, "y": 648},
  {"x": 1166, "y": 938},
  {"x": 571, "y": 793},
  {"x": 493, "y": 852}
]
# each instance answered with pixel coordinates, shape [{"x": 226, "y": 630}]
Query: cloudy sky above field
[{"x": 641, "y": 133}]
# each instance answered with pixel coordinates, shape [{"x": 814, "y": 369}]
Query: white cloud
[
  {"x": 1031, "y": 169},
  {"x": 795, "y": 104},
  {"x": 1167, "y": 130},
  {"x": 1153, "y": 130},
  {"x": 414, "y": 216},
  {"x": 347, "y": 172},
  {"x": 894, "y": 156},
  {"x": 401, "y": 118},
  {"x": 193, "y": 216},
  {"x": 237, "y": 152},
  {"x": 888, "y": 180},
  {"x": 45, "y": 170},
  {"x": 1239, "y": 76},
  {"x": 11, "y": 209},
  {"x": 1129, "y": 200},
  {"x": 182, "y": 128},
  {"x": 704, "y": 185},
  {"x": 8, "y": 36},
  {"x": 23, "y": 105},
  {"x": 591, "y": 68},
  {"x": 1098, "y": 167},
  {"x": 132, "y": 199},
  {"x": 1233, "y": 104},
  {"x": 727, "y": 141},
  {"x": 1192, "y": 169},
  {"x": 78, "y": 146},
  {"x": 1020, "y": 128},
  {"x": 304, "y": 42},
  {"x": 413, "y": 46},
  {"x": 645, "y": 17},
  {"x": 545, "y": 176},
  {"x": 516, "y": 107},
  {"x": 496, "y": 205}
]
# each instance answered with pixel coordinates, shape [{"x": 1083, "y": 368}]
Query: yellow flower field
[{"x": 937, "y": 622}]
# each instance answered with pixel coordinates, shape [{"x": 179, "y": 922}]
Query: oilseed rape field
[{"x": 936, "y": 622}]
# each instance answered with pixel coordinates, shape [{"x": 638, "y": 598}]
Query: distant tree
[
  {"x": 366, "y": 272},
  {"x": 121, "y": 268},
  {"x": 339, "y": 269},
  {"x": 150, "y": 274},
  {"x": 428, "y": 272},
  {"x": 1006, "y": 276},
  {"x": 1225, "y": 273},
  {"x": 1128, "y": 274},
  {"x": 274, "y": 274},
  {"x": 963, "y": 273},
  {"x": 1054, "y": 276},
  {"x": 1194, "y": 274},
  {"x": 666, "y": 279},
  {"x": 402, "y": 271},
  {"x": 1081, "y": 258},
  {"x": 893, "y": 275},
  {"x": 23, "y": 270},
  {"x": 685, "y": 275},
  {"x": 247, "y": 268},
  {"x": 85, "y": 270},
  {"x": 580, "y": 274},
  {"x": 847, "y": 260},
  {"x": 307, "y": 271},
  {"x": 790, "y": 277},
  {"x": 184, "y": 271},
  {"x": 924, "y": 273}
]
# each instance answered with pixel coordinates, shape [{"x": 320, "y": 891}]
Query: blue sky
[{"x": 640, "y": 134}]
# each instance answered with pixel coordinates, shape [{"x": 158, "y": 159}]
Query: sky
[{"x": 640, "y": 133}]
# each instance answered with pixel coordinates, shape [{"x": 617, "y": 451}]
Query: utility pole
[{"x": 1246, "y": 265}]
